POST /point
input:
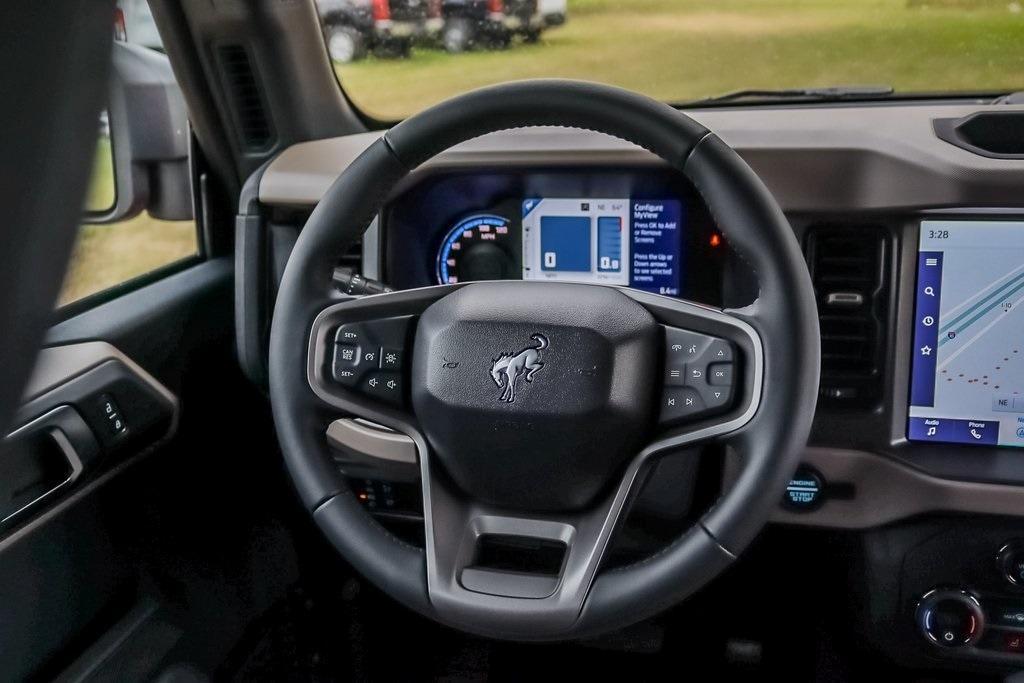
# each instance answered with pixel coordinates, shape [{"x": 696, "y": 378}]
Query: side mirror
[{"x": 148, "y": 142}]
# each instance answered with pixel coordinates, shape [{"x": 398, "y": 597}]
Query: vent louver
[
  {"x": 850, "y": 274},
  {"x": 247, "y": 100}
]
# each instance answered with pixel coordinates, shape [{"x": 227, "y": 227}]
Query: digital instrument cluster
[{"x": 617, "y": 241}]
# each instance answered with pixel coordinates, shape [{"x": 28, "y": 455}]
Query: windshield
[{"x": 395, "y": 57}]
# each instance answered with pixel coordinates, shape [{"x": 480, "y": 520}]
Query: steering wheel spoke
[{"x": 512, "y": 573}]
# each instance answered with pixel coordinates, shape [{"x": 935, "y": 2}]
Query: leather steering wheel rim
[{"x": 784, "y": 316}]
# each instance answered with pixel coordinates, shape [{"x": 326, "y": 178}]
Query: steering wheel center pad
[{"x": 567, "y": 400}]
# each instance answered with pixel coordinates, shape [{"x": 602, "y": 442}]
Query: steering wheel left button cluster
[{"x": 369, "y": 357}]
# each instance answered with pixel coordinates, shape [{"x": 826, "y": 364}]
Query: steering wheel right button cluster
[{"x": 699, "y": 375}]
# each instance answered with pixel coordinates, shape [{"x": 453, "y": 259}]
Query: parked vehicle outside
[
  {"x": 554, "y": 12},
  {"x": 355, "y": 28},
  {"x": 139, "y": 27},
  {"x": 469, "y": 24}
]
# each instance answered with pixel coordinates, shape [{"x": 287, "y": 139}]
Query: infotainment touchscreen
[
  {"x": 634, "y": 242},
  {"x": 967, "y": 376}
]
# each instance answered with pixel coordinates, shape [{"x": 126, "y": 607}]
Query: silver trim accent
[
  {"x": 371, "y": 250},
  {"x": 888, "y": 491},
  {"x": 66, "y": 449},
  {"x": 57, "y": 365},
  {"x": 844, "y": 299},
  {"x": 371, "y": 442}
]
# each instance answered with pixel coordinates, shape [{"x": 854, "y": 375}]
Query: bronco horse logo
[{"x": 508, "y": 367}]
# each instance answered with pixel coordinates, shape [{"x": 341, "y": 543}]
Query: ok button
[{"x": 720, "y": 374}]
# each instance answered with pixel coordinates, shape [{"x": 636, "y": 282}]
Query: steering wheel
[{"x": 536, "y": 407}]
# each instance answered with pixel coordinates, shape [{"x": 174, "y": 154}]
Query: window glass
[
  {"x": 395, "y": 57},
  {"x": 108, "y": 254}
]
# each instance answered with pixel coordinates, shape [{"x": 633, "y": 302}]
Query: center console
[
  {"x": 959, "y": 585},
  {"x": 930, "y": 474}
]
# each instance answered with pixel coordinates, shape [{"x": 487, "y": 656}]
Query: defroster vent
[{"x": 247, "y": 101}]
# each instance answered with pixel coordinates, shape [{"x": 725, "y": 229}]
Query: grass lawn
[
  {"x": 106, "y": 255},
  {"x": 677, "y": 50}
]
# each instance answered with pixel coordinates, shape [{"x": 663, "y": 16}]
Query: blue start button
[{"x": 805, "y": 490}]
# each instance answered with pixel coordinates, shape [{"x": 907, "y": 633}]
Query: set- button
[
  {"x": 369, "y": 357},
  {"x": 699, "y": 375}
]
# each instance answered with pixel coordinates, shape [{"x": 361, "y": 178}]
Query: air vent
[
  {"x": 247, "y": 99},
  {"x": 849, "y": 269}
]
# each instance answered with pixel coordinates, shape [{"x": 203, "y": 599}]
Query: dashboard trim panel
[
  {"x": 888, "y": 491},
  {"x": 864, "y": 158}
]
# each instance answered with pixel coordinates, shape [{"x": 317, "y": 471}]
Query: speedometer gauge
[{"x": 479, "y": 247}]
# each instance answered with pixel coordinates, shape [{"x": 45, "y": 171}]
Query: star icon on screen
[{"x": 926, "y": 350}]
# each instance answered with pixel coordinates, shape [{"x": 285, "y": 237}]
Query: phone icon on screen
[{"x": 975, "y": 434}]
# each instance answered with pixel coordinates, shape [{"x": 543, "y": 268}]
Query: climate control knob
[
  {"x": 950, "y": 618},
  {"x": 1011, "y": 563}
]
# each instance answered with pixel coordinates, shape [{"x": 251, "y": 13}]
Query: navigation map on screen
[{"x": 967, "y": 380}]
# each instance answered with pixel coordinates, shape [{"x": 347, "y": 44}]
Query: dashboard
[
  {"x": 648, "y": 229},
  {"x": 915, "y": 247}
]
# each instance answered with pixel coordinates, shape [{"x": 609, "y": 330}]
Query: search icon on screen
[{"x": 929, "y": 290}]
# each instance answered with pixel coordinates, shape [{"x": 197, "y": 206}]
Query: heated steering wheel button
[{"x": 679, "y": 403}]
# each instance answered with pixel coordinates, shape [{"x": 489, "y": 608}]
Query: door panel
[{"x": 178, "y": 520}]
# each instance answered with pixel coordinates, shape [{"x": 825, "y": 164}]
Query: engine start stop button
[{"x": 805, "y": 491}]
